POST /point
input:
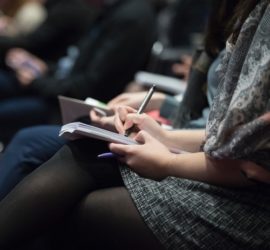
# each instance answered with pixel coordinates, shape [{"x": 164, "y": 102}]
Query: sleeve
[{"x": 117, "y": 56}]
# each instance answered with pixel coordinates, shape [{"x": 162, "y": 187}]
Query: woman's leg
[
  {"x": 52, "y": 191},
  {"x": 108, "y": 219}
]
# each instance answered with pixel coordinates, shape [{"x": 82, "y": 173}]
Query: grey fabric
[{"x": 189, "y": 215}]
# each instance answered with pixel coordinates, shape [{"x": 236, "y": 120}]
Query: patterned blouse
[{"x": 239, "y": 121}]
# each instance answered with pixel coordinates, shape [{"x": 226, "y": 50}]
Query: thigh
[
  {"x": 108, "y": 219},
  {"x": 52, "y": 191}
]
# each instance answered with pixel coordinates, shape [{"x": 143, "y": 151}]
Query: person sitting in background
[
  {"x": 65, "y": 23},
  {"x": 180, "y": 30},
  {"x": 152, "y": 198},
  {"x": 25, "y": 19},
  {"x": 96, "y": 66},
  {"x": 33, "y": 146}
]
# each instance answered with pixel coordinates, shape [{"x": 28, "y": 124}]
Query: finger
[
  {"x": 120, "y": 117},
  {"x": 119, "y": 149},
  {"x": 94, "y": 116},
  {"x": 118, "y": 123},
  {"x": 143, "y": 137},
  {"x": 136, "y": 119},
  {"x": 132, "y": 119}
]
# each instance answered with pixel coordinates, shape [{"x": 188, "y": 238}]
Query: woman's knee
[{"x": 110, "y": 214}]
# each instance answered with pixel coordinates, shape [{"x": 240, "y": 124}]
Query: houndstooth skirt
[{"x": 186, "y": 214}]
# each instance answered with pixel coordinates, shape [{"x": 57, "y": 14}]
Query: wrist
[
  {"x": 173, "y": 160},
  {"x": 165, "y": 137}
]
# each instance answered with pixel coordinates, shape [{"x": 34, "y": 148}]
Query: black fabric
[
  {"x": 66, "y": 22},
  {"x": 116, "y": 47},
  {"x": 195, "y": 99},
  {"x": 189, "y": 17},
  {"x": 64, "y": 186},
  {"x": 107, "y": 219}
]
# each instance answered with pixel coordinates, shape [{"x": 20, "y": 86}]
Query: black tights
[{"x": 84, "y": 195}]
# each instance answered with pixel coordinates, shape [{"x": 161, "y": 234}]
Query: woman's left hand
[
  {"x": 106, "y": 122},
  {"x": 150, "y": 159}
]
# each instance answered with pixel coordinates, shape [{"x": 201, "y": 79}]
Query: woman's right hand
[{"x": 127, "y": 117}]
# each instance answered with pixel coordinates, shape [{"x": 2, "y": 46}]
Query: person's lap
[
  {"x": 53, "y": 190},
  {"x": 74, "y": 181}
]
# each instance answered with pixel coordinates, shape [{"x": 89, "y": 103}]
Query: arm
[
  {"x": 101, "y": 63},
  {"x": 160, "y": 163},
  {"x": 188, "y": 140},
  {"x": 200, "y": 167}
]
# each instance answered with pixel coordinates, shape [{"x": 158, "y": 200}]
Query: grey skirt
[{"x": 186, "y": 214}]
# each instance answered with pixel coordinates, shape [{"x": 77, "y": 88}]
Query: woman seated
[{"x": 214, "y": 197}]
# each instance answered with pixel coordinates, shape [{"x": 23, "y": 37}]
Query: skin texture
[
  {"x": 161, "y": 162},
  {"x": 27, "y": 66}
]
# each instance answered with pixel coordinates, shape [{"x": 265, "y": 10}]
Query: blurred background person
[
  {"x": 37, "y": 144},
  {"x": 98, "y": 65},
  {"x": 66, "y": 21},
  {"x": 25, "y": 18}
]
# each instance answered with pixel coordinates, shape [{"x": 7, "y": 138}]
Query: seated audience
[
  {"x": 151, "y": 198},
  {"x": 65, "y": 23},
  {"x": 38, "y": 144},
  {"x": 96, "y": 66}
]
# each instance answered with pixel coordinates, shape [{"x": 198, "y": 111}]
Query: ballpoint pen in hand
[{"x": 142, "y": 107}]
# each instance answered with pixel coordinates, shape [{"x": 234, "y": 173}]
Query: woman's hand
[
  {"x": 27, "y": 66},
  {"x": 106, "y": 122},
  {"x": 151, "y": 159},
  {"x": 126, "y": 117},
  {"x": 134, "y": 100}
]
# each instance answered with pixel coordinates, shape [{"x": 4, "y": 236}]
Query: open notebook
[{"x": 77, "y": 130}]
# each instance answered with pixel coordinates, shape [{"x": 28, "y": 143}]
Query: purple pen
[{"x": 107, "y": 155}]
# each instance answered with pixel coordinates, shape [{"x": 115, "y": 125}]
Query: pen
[
  {"x": 142, "y": 107},
  {"x": 107, "y": 155}
]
